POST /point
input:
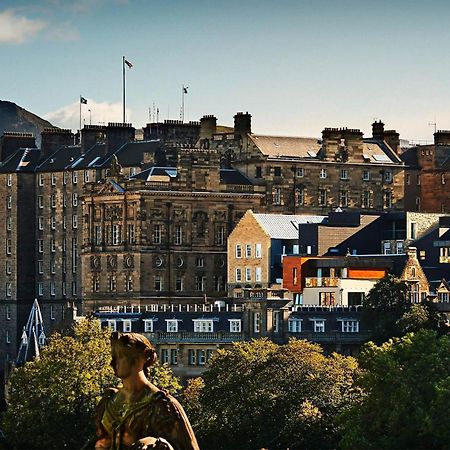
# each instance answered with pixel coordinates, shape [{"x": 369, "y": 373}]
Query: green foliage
[
  {"x": 53, "y": 398},
  {"x": 407, "y": 395},
  {"x": 388, "y": 313},
  {"x": 259, "y": 394}
]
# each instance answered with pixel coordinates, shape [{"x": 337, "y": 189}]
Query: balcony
[
  {"x": 321, "y": 282},
  {"x": 329, "y": 337},
  {"x": 160, "y": 337}
]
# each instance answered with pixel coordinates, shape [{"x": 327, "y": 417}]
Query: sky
[{"x": 296, "y": 66}]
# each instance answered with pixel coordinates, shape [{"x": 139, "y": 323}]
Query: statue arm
[{"x": 103, "y": 439}]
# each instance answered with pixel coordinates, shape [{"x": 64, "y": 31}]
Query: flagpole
[
  {"x": 80, "y": 115},
  {"x": 123, "y": 87},
  {"x": 182, "y": 103}
]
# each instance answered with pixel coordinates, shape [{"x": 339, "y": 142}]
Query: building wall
[{"x": 248, "y": 232}]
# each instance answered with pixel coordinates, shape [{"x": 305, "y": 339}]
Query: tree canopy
[
  {"x": 52, "y": 399},
  {"x": 406, "y": 382},
  {"x": 260, "y": 394},
  {"x": 388, "y": 313}
]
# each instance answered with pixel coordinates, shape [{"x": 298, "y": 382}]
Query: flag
[
  {"x": 128, "y": 64},
  {"x": 83, "y": 100},
  {"x": 185, "y": 89}
]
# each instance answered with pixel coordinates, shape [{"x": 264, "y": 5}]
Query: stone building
[
  {"x": 310, "y": 175},
  {"x": 428, "y": 172}
]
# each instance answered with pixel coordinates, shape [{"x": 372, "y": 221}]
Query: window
[
  {"x": 53, "y": 178},
  {"x": 74, "y": 177},
  {"x": 235, "y": 325},
  {"x": 158, "y": 284},
  {"x": 322, "y": 197},
  {"x": 387, "y": 199},
  {"x": 95, "y": 283},
  {"x": 201, "y": 357},
  {"x": 164, "y": 356},
  {"x": 41, "y": 179},
  {"x": 129, "y": 283},
  {"x": 200, "y": 282},
  {"x": 418, "y": 180},
  {"x": 276, "y": 321},
  {"x": 178, "y": 235},
  {"x": 238, "y": 274},
  {"x": 444, "y": 255},
  {"x": 8, "y": 267},
  {"x": 323, "y": 173},
  {"x": 112, "y": 283},
  {"x": 388, "y": 176},
  {"x": 98, "y": 234},
  {"x": 8, "y": 312},
  {"x": 258, "y": 172},
  {"x": 40, "y": 266},
  {"x": 203, "y": 326},
  {"x": 40, "y": 245},
  {"x": 399, "y": 248},
  {"x": 387, "y": 248},
  {"x": 344, "y": 174},
  {"x": 248, "y": 274},
  {"x": 7, "y": 337},
  {"x": 179, "y": 283},
  {"x": 52, "y": 288},
  {"x": 173, "y": 356},
  {"x": 111, "y": 325},
  {"x": 355, "y": 298},
  {"x": 74, "y": 221},
  {"x": 74, "y": 199},
  {"x": 200, "y": 261},
  {"x": 327, "y": 299},
  {"x": 86, "y": 176},
  {"x": 248, "y": 251},
  {"x": 238, "y": 251},
  {"x": 192, "y": 357},
  {"x": 116, "y": 234},
  {"x": 8, "y": 246},
  {"x": 64, "y": 178},
  {"x": 53, "y": 200},
  {"x": 219, "y": 285},
  {"x": 157, "y": 234},
  {"x": 9, "y": 223},
  {"x": 277, "y": 171},
  {"x": 300, "y": 172},
  {"x": 413, "y": 230},
  {"x": 299, "y": 196},
  {"x": 258, "y": 274},
  {"x": 172, "y": 326},
  {"x": 408, "y": 179},
  {"x": 343, "y": 198},
  {"x": 277, "y": 196},
  {"x": 52, "y": 245},
  {"x": 366, "y": 175},
  {"x": 319, "y": 326},
  {"x": 40, "y": 288},
  {"x": 257, "y": 322},
  {"x": 443, "y": 297},
  {"x": 148, "y": 325},
  {"x": 295, "y": 325},
  {"x": 350, "y": 326},
  {"x": 64, "y": 200},
  {"x": 9, "y": 202},
  {"x": 220, "y": 235},
  {"x": 257, "y": 250},
  {"x": 130, "y": 233},
  {"x": 443, "y": 178},
  {"x": 295, "y": 275},
  {"x": 127, "y": 326},
  {"x": 9, "y": 180},
  {"x": 64, "y": 288},
  {"x": 8, "y": 289},
  {"x": 366, "y": 199},
  {"x": 52, "y": 266}
]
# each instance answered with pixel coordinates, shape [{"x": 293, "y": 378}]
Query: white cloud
[
  {"x": 15, "y": 29},
  {"x": 101, "y": 113}
]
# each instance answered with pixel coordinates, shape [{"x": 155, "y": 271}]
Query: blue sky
[{"x": 296, "y": 66}]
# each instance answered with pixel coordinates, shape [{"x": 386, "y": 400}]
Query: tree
[
  {"x": 53, "y": 398},
  {"x": 259, "y": 394},
  {"x": 388, "y": 313},
  {"x": 406, "y": 402}
]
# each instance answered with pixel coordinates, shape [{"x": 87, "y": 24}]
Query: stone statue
[{"x": 138, "y": 415}]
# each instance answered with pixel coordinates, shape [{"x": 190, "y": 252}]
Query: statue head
[{"x": 133, "y": 347}]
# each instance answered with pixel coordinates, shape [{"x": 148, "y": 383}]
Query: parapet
[{"x": 17, "y": 134}]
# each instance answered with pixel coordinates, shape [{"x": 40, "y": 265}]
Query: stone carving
[
  {"x": 115, "y": 170},
  {"x": 138, "y": 415},
  {"x": 113, "y": 212},
  {"x": 112, "y": 262}
]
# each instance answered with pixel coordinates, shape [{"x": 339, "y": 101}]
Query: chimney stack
[
  {"x": 91, "y": 135},
  {"x": 118, "y": 134},
  {"x": 378, "y": 130},
  {"x": 242, "y": 124},
  {"x": 392, "y": 138},
  {"x": 53, "y": 139},
  {"x": 208, "y": 126},
  {"x": 10, "y": 142},
  {"x": 442, "y": 137}
]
